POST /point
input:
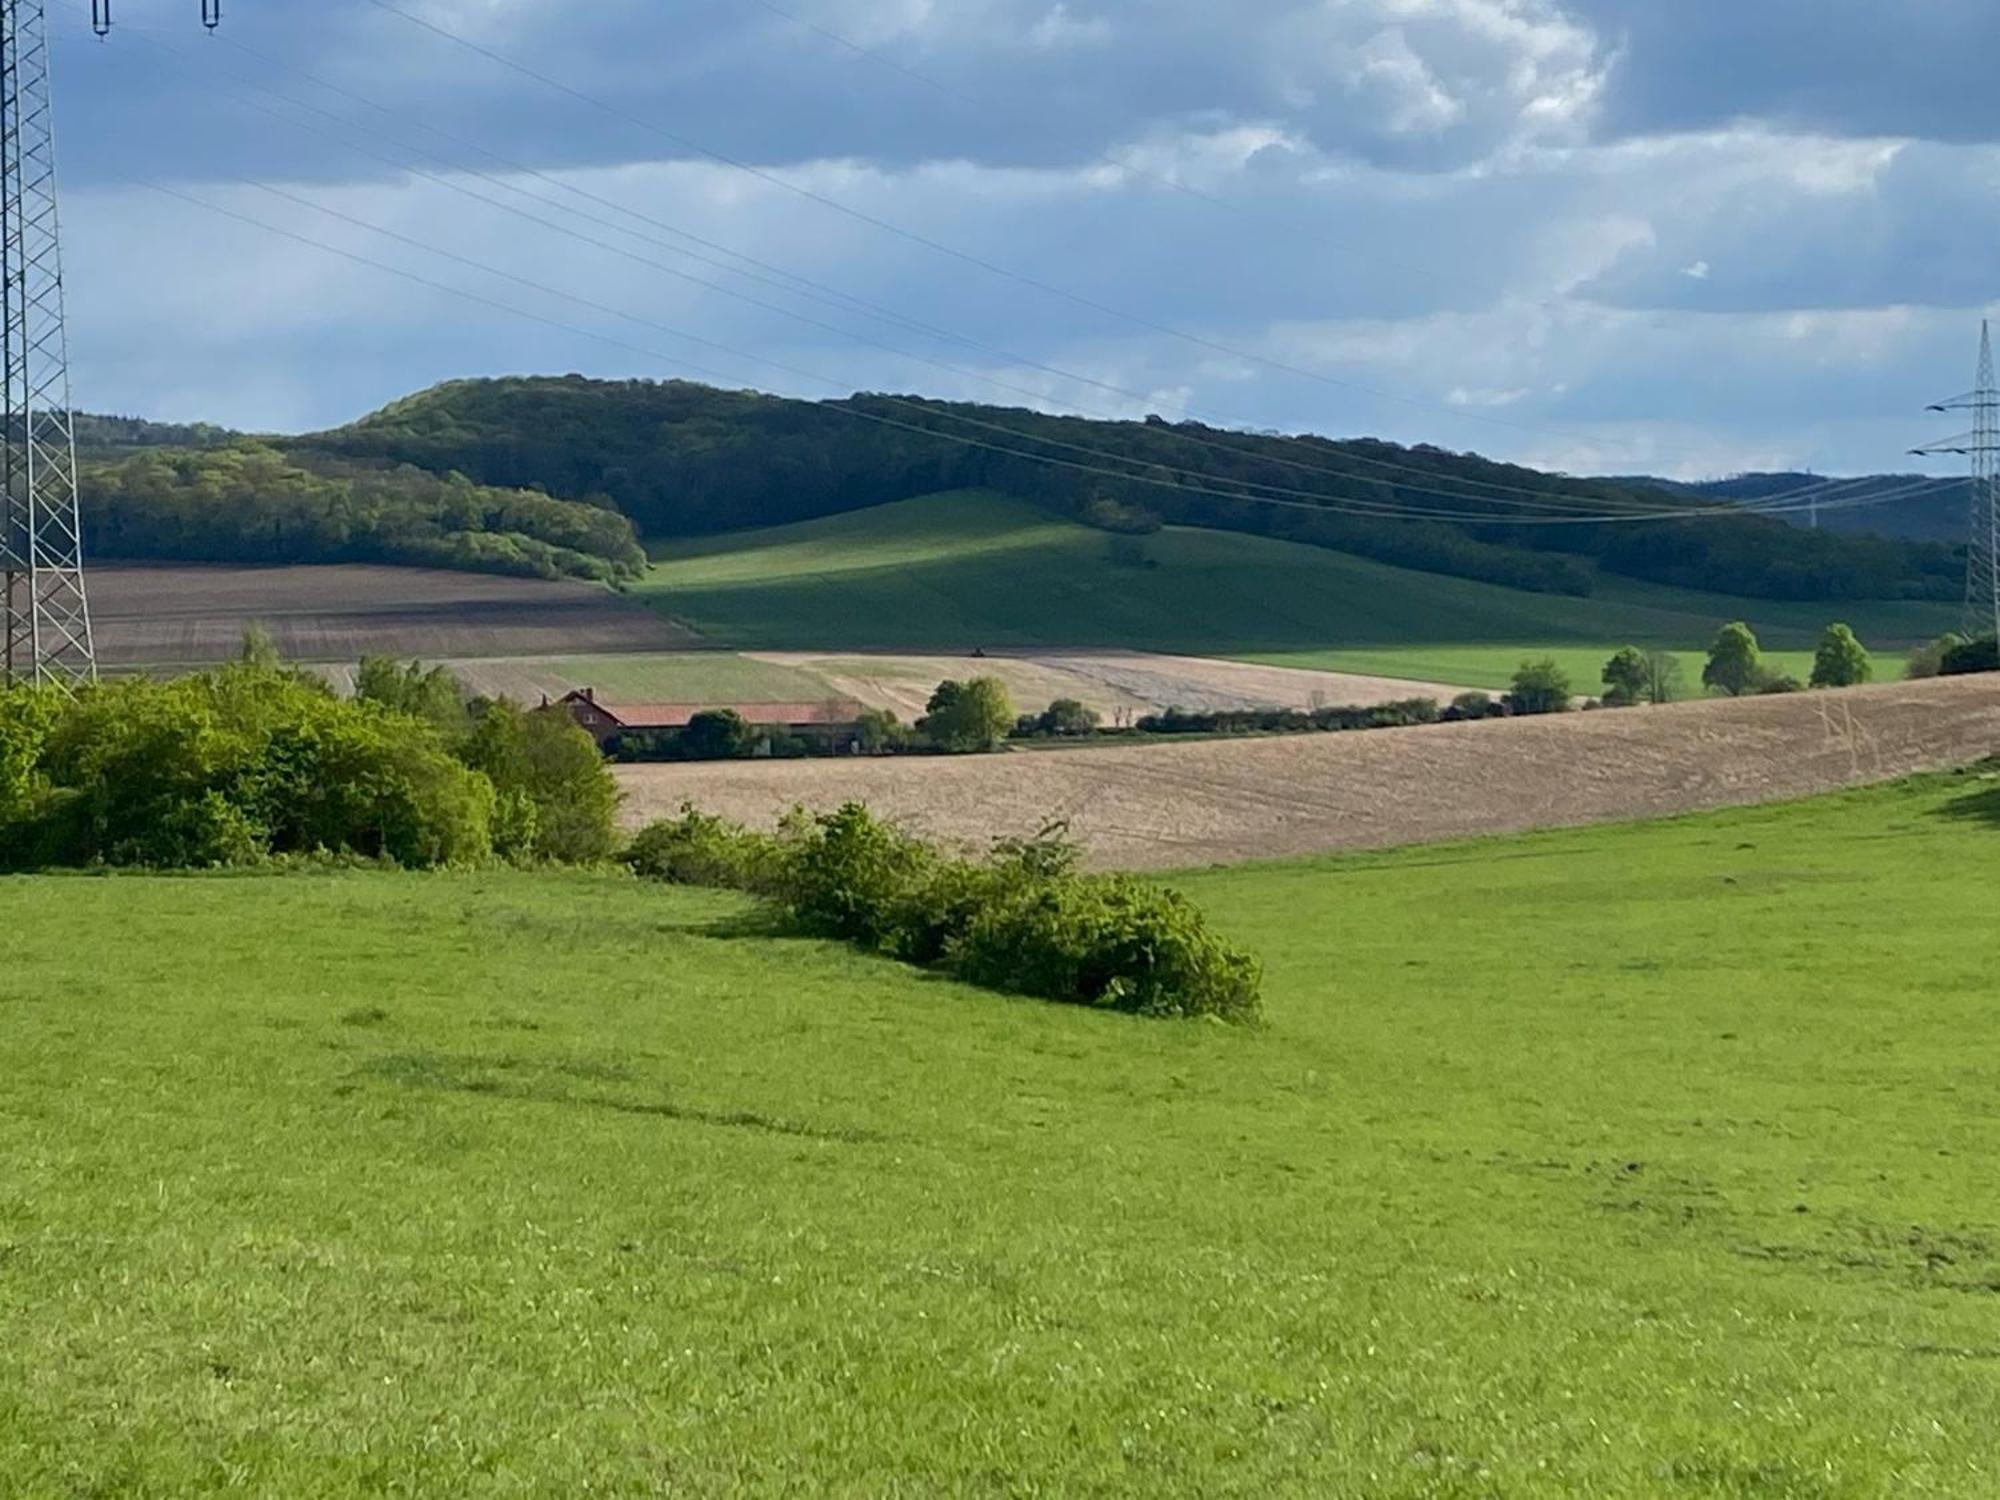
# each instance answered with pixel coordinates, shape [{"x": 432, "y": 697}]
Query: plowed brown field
[
  {"x": 1178, "y": 806},
  {"x": 190, "y": 616}
]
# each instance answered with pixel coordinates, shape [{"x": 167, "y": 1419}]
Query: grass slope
[
  {"x": 1649, "y": 1161},
  {"x": 952, "y": 572}
]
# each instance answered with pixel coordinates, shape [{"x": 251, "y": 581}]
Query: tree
[
  {"x": 544, "y": 760},
  {"x": 968, "y": 718},
  {"x": 1735, "y": 661},
  {"x": 432, "y": 694},
  {"x": 1626, "y": 678},
  {"x": 25, "y": 716},
  {"x": 1067, "y": 719},
  {"x": 1841, "y": 661},
  {"x": 880, "y": 732},
  {"x": 1665, "y": 681},
  {"x": 717, "y": 734},
  {"x": 1541, "y": 687}
]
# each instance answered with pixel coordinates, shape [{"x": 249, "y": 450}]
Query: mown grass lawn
[{"x": 1646, "y": 1161}]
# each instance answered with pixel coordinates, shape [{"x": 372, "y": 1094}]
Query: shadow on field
[
  {"x": 471, "y": 1075},
  {"x": 1980, "y": 807}
]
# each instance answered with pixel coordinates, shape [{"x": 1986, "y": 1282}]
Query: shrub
[
  {"x": 879, "y": 732},
  {"x": 1540, "y": 687},
  {"x": 1022, "y": 920},
  {"x": 1841, "y": 661},
  {"x": 1928, "y": 659},
  {"x": 432, "y": 694},
  {"x": 1972, "y": 656},
  {"x": 699, "y": 850},
  {"x": 1474, "y": 706},
  {"x": 1065, "y": 718},
  {"x": 232, "y": 766},
  {"x": 1770, "y": 682}
]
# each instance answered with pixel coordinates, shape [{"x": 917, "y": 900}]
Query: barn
[{"x": 836, "y": 721}]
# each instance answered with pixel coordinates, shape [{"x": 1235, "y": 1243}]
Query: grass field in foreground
[
  {"x": 952, "y": 572},
  {"x": 1648, "y": 1161}
]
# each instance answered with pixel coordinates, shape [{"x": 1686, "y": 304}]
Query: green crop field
[
  {"x": 953, "y": 572},
  {"x": 1649, "y": 1161}
]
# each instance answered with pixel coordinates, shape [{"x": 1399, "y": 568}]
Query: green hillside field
[
  {"x": 964, "y": 570},
  {"x": 1640, "y": 1161}
]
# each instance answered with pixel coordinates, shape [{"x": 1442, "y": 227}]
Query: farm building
[{"x": 836, "y": 721}]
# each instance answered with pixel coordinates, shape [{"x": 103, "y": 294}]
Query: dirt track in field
[
  {"x": 191, "y": 616},
  {"x": 1187, "y": 805}
]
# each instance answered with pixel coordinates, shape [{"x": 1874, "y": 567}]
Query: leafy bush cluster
[
  {"x": 1024, "y": 920},
  {"x": 1967, "y": 657},
  {"x": 251, "y": 762},
  {"x": 1401, "y": 715}
]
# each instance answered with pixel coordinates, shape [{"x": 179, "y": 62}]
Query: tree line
[
  {"x": 249, "y": 501},
  {"x": 683, "y": 459}
]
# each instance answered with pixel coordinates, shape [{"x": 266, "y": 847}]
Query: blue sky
[{"x": 1602, "y": 235}]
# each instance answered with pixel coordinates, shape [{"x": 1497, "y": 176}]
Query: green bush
[
  {"x": 1841, "y": 661},
  {"x": 1972, "y": 656},
  {"x": 1024, "y": 920},
  {"x": 543, "y": 759},
  {"x": 1928, "y": 659},
  {"x": 699, "y": 850},
  {"x": 233, "y": 766},
  {"x": 1540, "y": 687}
]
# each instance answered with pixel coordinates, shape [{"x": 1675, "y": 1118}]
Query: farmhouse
[{"x": 834, "y": 720}]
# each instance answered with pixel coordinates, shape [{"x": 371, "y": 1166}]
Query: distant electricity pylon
[
  {"x": 1982, "y": 446},
  {"x": 48, "y": 635}
]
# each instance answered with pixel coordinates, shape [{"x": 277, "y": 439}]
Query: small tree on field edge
[
  {"x": 969, "y": 718},
  {"x": 1541, "y": 687},
  {"x": 1735, "y": 661},
  {"x": 1626, "y": 677},
  {"x": 1841, "y": 661}
]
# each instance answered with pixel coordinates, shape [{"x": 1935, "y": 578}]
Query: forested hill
[
  {"x": 1873, "y": 505},
  {"x": 237, "y": 499},
  {"x": 683, "y": 459}
]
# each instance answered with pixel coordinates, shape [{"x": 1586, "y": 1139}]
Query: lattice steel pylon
[
  {"x": 48, "y": 611},
  {"x": 1982, "y": 446},
  {"x": 48, "y": 634}
]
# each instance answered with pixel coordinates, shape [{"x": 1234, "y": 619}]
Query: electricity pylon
[
  {"x": 1982, "y": 446},
  {"x": 48, "y": 635}
]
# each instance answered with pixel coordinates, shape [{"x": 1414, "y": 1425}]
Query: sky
[{"x": 1600, "y": 236}]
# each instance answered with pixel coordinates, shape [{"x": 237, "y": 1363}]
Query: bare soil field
[
  {"x": 1188, "y": 805},
  {"x": 1112, "y": 682},
  {"x": 192, "y": 616}
]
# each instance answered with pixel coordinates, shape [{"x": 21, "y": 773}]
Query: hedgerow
[
  {"x": 253, "y": 762},
  {"x": 1024, "y": 920}
]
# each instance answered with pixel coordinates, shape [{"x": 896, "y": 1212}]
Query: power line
[
  {"x": 1541, "y": 500},
  {"x": 1317, "y": 504},
  {"x": 916, "y": 237}
]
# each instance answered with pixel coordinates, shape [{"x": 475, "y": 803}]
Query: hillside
[
  {"x": 1938, "y": 516},
  {"x": 685, "y": 460},
  {"x": 971, "y": 569},
  {"x": 1612, "y": 1163}
]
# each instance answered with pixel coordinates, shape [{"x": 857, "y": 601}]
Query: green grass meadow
[
  {"x": 953, "y": 572},
  {"x": 1636, "y": 1162}
]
